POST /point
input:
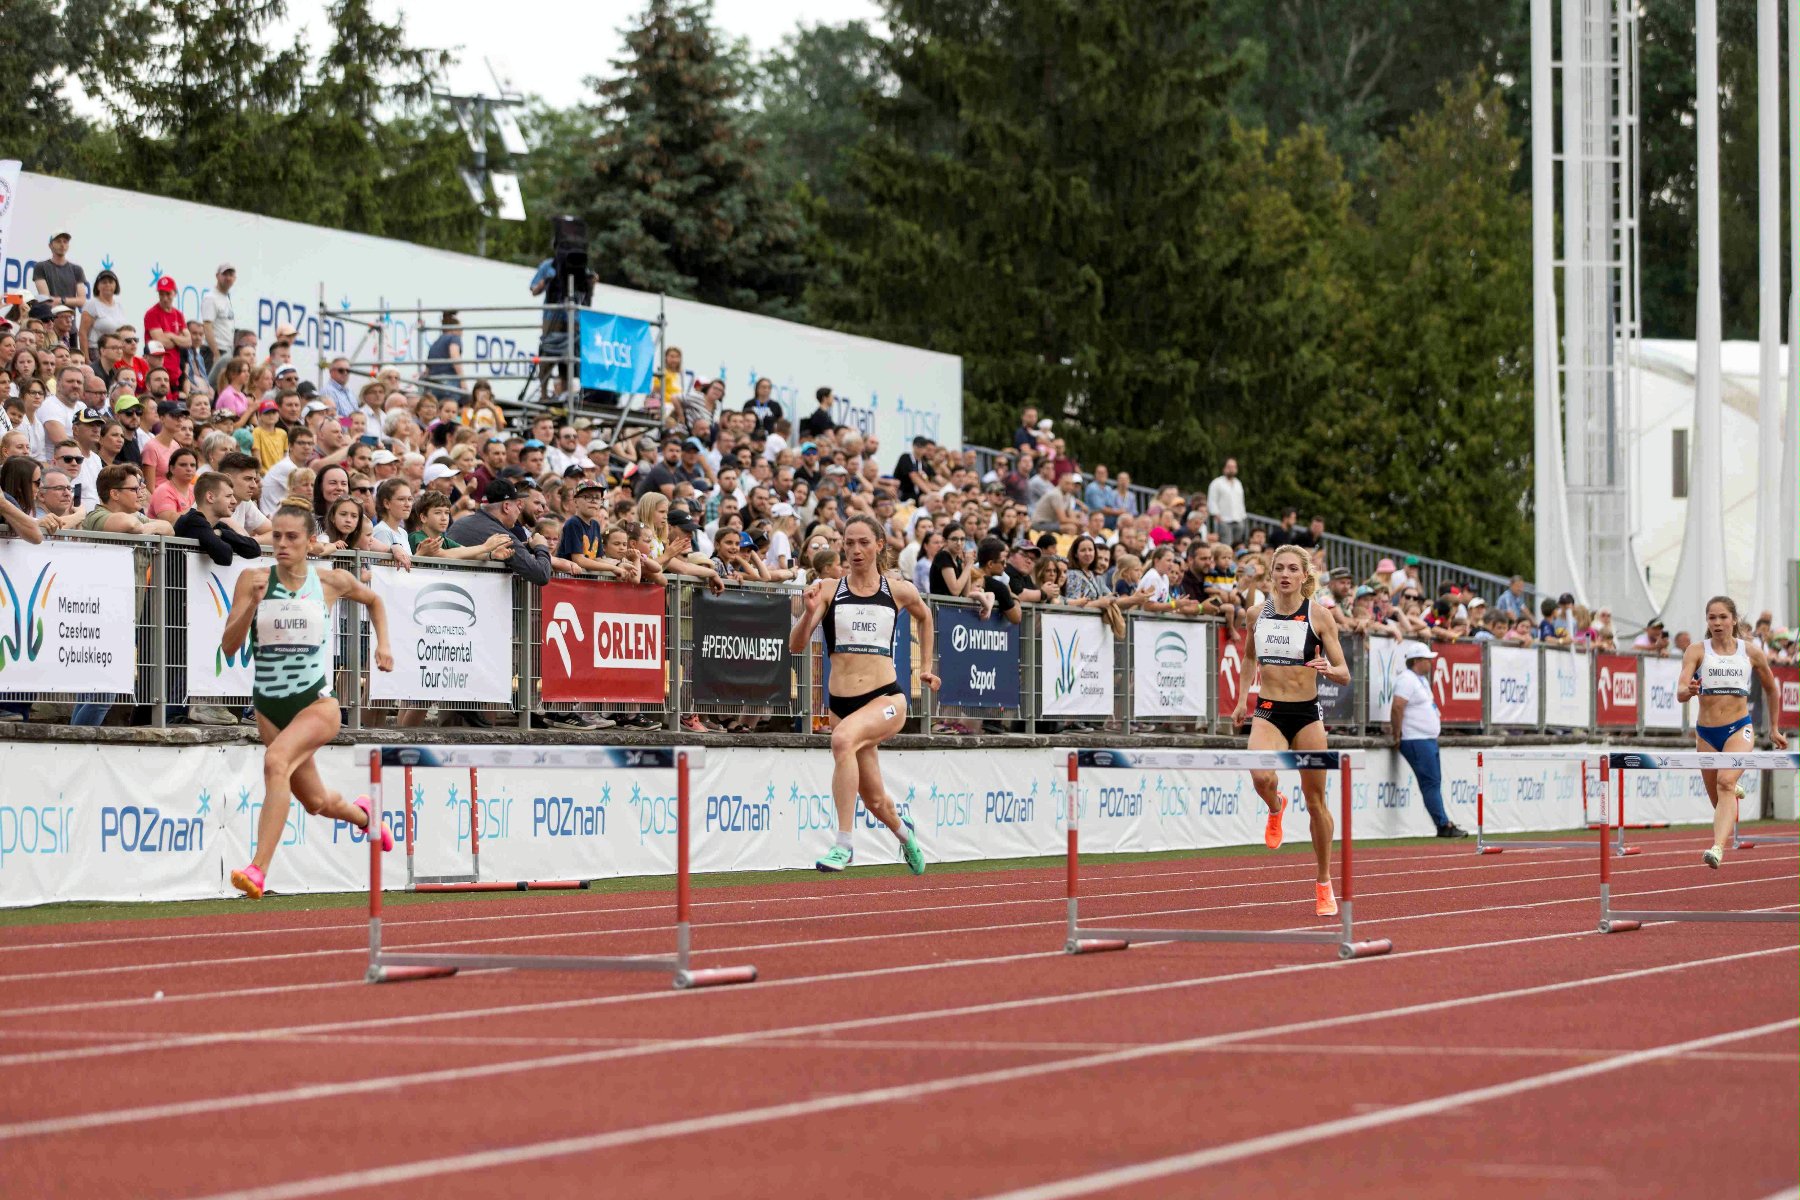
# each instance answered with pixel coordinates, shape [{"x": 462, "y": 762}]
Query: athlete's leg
[
  {"x": 310, "y": 790},
  {"x": 1721, "y": 787},
  {"x": 869, "y": 725},
  {"x": 874, "y": 792},
  {"x": 316, "y": 725},
  {"x": 1313, "y": 784},
  {"x": 1264, "y": 736}
]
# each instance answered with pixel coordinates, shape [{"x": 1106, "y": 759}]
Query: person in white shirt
[
  {"x": 564, "y": 452},
  {"x": 216, "y": 312},
  {"x": 1225, "y": 501},
  {"x": 1414, "y": 725},
  {"x": 275, "y": 480}
]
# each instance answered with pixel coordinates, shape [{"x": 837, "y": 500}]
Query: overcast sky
[{"x": 549, "y": 47}]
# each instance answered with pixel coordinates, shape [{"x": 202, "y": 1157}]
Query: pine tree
[{"x": 675, "y": 200}]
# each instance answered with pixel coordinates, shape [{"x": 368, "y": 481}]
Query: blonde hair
[{"x": 1308, "y": 584}]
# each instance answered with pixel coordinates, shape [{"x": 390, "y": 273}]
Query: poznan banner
[
  {"x": 1512, "y": 685},
  {"x": 451, "y": 633},
  {"x": 68, "y": 618},
  {"x": 1076, "y": 665},
  {"x": 1169, "y": 668}
]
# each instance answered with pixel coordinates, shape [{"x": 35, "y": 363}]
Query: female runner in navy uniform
[
  {"x": 1293, "y": 650},
  {"x": 859, "y": 613},
  {"x": 285, "y": 610},
  {"x": 1722, "y": 671}
]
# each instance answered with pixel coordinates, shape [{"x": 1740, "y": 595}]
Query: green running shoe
[
  {"x": 836, "y": 858},
  {"x": 915, "y": 853}
]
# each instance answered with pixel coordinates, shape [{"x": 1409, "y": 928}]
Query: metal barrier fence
[{"x": 1478, "y": 685}]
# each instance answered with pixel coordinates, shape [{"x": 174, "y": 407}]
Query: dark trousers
[{"x": 1421, "y": 754}]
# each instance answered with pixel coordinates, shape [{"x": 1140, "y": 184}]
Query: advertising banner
[
  {"x": 741, "y": 648},
  {"x": 618, "y": 354},
  {"x": 1231, "y": 672},
  {"x": 1169, "y": 668},
  {"x": 1512, "y": 690},
  {"x": 1337, "y": 703},
  {"x": 1661, "y": 678},
  {"x": 9, "y": 203},
  {"x": 978, "y": 660},
  {"x": 1075, "y": 664},
  {"x": 68, "y": 618},
  {"x": 212, "y": 672},
  {"x": 603, "y": 641},
  {"x": 451, "y": 633},
  {"x": 1385, "y": 666},
  {"x": 1568, "y": 696},
  {"x": 1456, "y": 678},
  {"x": 1616, "y": 690},
  {"x": 1787, "y": 686}
]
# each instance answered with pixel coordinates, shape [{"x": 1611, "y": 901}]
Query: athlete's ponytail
[{"x": 1308, "y": 582}]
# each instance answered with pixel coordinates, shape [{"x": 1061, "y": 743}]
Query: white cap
[
  {"x": 382, "y": 457},
  {"x": 433, "y": 472},
  {"x": 1413, "y": 651},
  {"x": 224, "y": 267},
  {"x": 286, "y": 369},
  {"x": 1046, "y": 423},
  {"x": 783, "y": 509}
]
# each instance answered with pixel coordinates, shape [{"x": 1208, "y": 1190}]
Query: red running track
[{"x": 928, "y": 1037}]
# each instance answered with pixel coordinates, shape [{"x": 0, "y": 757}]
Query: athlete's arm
[
  {"x": 812, "y": 611},
  {"x": 349, "y": 587},
  {"x": 1759, "y": 663},
  {"x": 1247, "y": 672},
  {"x": 1687, "y": 685},
  {"x": 243, "y": 609},
  {"x": 908, "y": 598},
  {"x": 1331, "y": 664}
]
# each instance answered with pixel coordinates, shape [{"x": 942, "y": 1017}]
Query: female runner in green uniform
[{"x": 285, "y": 610}]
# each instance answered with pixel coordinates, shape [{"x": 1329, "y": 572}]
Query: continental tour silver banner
[{"x": 452, "y": 635}]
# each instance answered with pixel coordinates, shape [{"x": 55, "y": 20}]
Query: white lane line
[
  {"x": 590, "y": 1143},
  {"x": 1212, "y": 1156},
  {"x": 385, "y": 1083},
  {"x": 787, "y": 919}
]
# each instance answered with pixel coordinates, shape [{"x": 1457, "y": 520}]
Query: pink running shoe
[
  {"x": 1272, "y": 828},
  {"x": 387, "y": 835},
  {"x": 249, "y": 881}
]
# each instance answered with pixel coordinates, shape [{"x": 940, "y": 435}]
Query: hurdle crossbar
[
  {"x": 1584, "y": 758},
  {"x": 1623, "y": 920},
  {"x": 388, "y": 966},
  {"x": 1084, "y": 939}
]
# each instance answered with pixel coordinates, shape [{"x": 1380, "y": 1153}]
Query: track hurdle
[
  {"x": 1623, "y": 920},
  {"x": 389, "y": 966},
  {"x": 1089, "y": 939},
  {"x": 1583, "y": 758},
  {"x": 472, "y": 882},
  {"x": 1741, "y": 841}
]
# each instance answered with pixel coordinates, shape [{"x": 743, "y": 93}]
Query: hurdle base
[
  {"x": 1309, "y": 937},
  {"x": 714, "y": 977},
  {"x": 1094, "y": 945},
  {"x": 1751, "y": 843},
  {"x": 1490, "y": 850},
  {"x": 1368, "y": 949},
  {"x": 523, "y": 885},
  {"x": 1616, "y": 926},
  {"x": 529, "y": 962},
  {"x": 388, "y": 974}
]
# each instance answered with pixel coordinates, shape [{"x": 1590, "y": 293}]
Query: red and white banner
[
  {"x": 1616, "y": 690},
  {"x": 1787, "y": 686},
  {"x": 603, "y": 641},
  {"x": 1231, "y": 672},
  {"x": 1456, "y": 680}
]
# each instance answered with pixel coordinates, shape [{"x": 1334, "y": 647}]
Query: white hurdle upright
[
  {"x": 1584, "y": 758},
  {"x": 390, "y": 966},
  {"x": 1088, "y": 940},
  {"x": 1622, "y": 920}
]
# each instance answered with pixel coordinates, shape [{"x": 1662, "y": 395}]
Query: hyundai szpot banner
[
  {"x": 1076, "y": 667},
  {"x": 451, "y": 633},
  {"x": 618, "y": 354},
  {"x": 977, "y": 660},
  {"x": 741, "y": 648},
  {"x": 1616, "y": 690},
  {"x": 1169, "y": 668},
  {"x": 1456, "y": 680},
  {"x": 68, "y": 616},
  {"x": 602, "y": 641}
]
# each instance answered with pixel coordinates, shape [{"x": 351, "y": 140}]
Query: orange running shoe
[
  {"x": 1272, "y": 831},
  {"x": 1327, "y": 900}
]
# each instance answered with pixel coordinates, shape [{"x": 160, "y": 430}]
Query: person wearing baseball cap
[
  {"x": 165, "y": 324},
  {"x": 58, "y": 280},
  {"x": 501, "y": 507},
  {"x": 1414, "y": 726}
]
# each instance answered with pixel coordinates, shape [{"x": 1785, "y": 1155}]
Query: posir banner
[
  {"x": 618, "y": 354},
  {"x": 603, "y": 641},
  {"x": 1076, "y": 665},
  {"x": 1568, "y": 698},
  {"x": 741, "y": 648},
  {"x": 1616, "y": 691},
  {"x": 68, "y": 618},
  {"x": 1512, "y": 690},
  {"x": 977, "y": 660},
  {"x": 451, "y": 633},
  {"x": 210, "y": 587},
  {"x": 1169, "y": 668}
]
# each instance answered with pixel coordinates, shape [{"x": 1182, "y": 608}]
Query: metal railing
[{"x": 1626, "y": 694}]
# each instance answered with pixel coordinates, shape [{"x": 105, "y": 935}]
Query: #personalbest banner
[
  {"x": 68, "y": 618},
  {"x": 618, "y": 354},
  {"x": 1169, "y": 668},
  {"x": 1076, "y": 667},
  {"x": 451, "y": 634},
  {"x": 1512, "y": 685},
  {"x": 741, "y": 648},
  {"x": 212, "y": 672},
  {"x": 977, "y": 660}
]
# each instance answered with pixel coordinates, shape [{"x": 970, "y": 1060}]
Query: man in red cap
[{"x": 165, "y": 325}]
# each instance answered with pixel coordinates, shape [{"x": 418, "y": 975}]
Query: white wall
[{"x": 895, "y": 391}]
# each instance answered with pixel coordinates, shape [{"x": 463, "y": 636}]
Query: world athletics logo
[
  {"x": 222, "y": 606},
  {"x": 27, "y": 621},
  {"x": 1066, "y": 653}
]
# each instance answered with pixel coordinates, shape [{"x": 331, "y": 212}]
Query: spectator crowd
[{"x": 164, "y": 424}]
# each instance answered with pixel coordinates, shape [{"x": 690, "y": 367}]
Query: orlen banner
[
  {"x": 1169, "y": 669},
  {"x": 1456, "y": 678},
  {"x": 1616, "y": 691},
  {"x": 1512, "y": 685},
  {"x": 602, "y": 641},
  {"x": 1076, "y": 671},
  {"x": 451, "y": 633},
  {"x": 1231, "y": 673},
  {"x": 1787, "y": 686}
]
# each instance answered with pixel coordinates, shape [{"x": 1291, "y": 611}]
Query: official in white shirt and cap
[{"x": 1414, "y": 725}]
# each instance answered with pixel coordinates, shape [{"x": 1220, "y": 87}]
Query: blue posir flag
[{"x": 618, "y": 354}]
